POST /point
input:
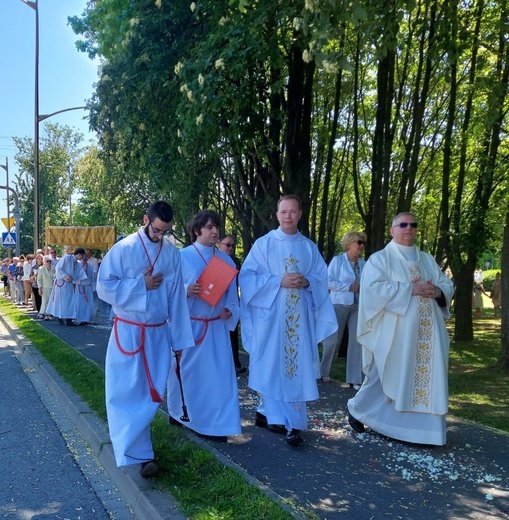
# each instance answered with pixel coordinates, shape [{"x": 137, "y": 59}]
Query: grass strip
[{"x": 204, "y": 488}]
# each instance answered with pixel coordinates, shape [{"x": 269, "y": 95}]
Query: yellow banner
[
  {"x": 9, "y": 222},
  {"x": 93, "y": 237}
]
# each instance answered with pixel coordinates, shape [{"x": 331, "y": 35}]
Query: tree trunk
[
  {"x": 463, "y": 282},
  {"x": 297, "y": 168},
  {"x": 382, "y": 147},
  {"x": 503, "y": 360}
]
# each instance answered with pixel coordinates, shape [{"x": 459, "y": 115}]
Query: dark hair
[
  {"x": 161, "y": 210},
  {"x": 200, "y": 220},
  {"x": 222, "y": 237},
  {"x": 79, "y": 251}
]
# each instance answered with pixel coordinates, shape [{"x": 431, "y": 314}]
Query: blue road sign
[{"x": 9, "y": 239}]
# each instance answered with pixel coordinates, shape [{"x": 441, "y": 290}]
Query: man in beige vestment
[{"x": 404, "y": 299}]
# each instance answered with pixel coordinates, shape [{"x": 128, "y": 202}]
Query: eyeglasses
[
  {"x": 47, "y": 261},
  {"x": 403, "y": 225},
  {"x": 361, "y": 242},
  {"x": 158, "y": 232},
  {"x": 53, "y": 252},
  {"x": 227, "y": 244}
]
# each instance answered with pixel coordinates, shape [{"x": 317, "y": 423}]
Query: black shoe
[
  {"x": 294, "y": 438},
  {"x": 149, "y": 469},
  {"x": 261, "y": 421},
  {"x": 69, "y": 322},
  {"x": 173, "y": 421},
  {"x": 354, "y": 423}
]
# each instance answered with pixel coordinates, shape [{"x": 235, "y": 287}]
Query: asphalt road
[{"x": 337, "y": 472}]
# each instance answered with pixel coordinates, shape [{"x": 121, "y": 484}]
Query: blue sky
[{"x": 66, "y": 76}]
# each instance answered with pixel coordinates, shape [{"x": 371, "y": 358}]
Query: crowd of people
[
  {"x": 60, "y": 288},
  {"x": 176, "y": 316}
]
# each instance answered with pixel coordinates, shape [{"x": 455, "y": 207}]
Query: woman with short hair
[
  {"x": 344, "y": 275},
  {"x": 45, "y": 279}
]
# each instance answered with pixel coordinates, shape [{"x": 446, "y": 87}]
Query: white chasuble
[
  {"x": 281, "y": 328},
  {"x": 405, "y": 347}
]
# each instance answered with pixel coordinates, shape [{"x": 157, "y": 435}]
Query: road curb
[{"x": 142, "y": 496}]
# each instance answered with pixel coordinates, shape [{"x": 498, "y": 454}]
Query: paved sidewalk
[
  {"x": 337, "y": 472},
  {"x": 44, "y": 424},
  {"x": 47, "y": 470}
]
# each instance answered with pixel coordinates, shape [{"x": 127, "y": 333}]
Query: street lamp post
[
  {"x": 37, "y": 119},
  {"x": 33, "y": 5},
  {"x": 6, "y": 168}
]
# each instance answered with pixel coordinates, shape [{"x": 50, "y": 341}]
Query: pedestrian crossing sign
[{"x": 9, "y": 239}]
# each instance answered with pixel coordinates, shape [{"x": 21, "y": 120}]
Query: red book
[{"x": 215, "y": 280}]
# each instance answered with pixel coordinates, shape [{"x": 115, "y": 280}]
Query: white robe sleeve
[{"x": 115, "y": 287}]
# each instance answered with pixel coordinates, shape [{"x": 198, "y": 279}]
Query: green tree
[{"x": 59, "y": 150}]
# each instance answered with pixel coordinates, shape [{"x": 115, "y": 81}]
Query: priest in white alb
[
  {"x": 285, "y": 312},
  {"x": 84, "y": 295},
  {"x": 404, "y": 300},
  {"x": 207, "y": 372},
  {"x": 67, "y": 272},
  {"x": 141, "y": 278}
]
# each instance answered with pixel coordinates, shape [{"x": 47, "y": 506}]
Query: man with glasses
[
  {"x": 404, "y": 298},
  {"x": 52, "y": 252},
  {"x": 227, "y": 245},
  {"x": 141, "y": 278}
]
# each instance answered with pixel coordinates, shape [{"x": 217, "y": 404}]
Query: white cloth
[
  {"x": 84, "y": 295},
  {"x": 61, "y": 302},
  {"x": 208, "y": 375},
  {"x": 94, "y": 264},
  {"x": 281, "y": 328},
  {"x": 45, "y": 279},
  {"x": 121, "y": 283},
  {"x": 340, "y": 275},
  {"x": 405, "y": 344},
  {"x": 27, "y": 268}
]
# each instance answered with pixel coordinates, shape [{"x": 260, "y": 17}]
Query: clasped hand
[
  {"x": 425, "y": 289},
  {"x": 294, "y": 281}
]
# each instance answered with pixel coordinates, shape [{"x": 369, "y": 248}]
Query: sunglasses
[
  {"x": 361, "y": 242},
  {"x": 403, "y": 225},
  {"x": 225, "y": 244}
]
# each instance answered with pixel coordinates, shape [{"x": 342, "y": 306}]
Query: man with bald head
[{"x": 404, "y": 298}]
